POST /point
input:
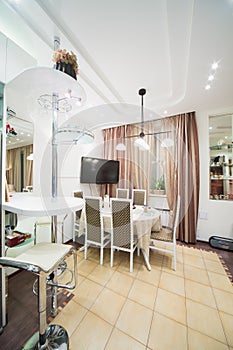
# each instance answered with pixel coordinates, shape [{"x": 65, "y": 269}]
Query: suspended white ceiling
[{"x": 165, "y": 46}]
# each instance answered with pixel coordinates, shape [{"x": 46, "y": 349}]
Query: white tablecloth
[
  {"x": 143, "y": 223},
  {"x": 144, "y": 220}
]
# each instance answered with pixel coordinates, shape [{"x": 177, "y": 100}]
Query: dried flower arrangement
[{"x": 63, "y": 57}]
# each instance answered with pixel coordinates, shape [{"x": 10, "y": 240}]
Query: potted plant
[
  {"x": 66, "y": 62},
  {"x": 158, "y": 187}
]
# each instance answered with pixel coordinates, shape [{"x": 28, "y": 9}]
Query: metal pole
[
  {"x": 54, "y": 162},
  {"x": 3, "y": 277},
  {"x": 54, "y": 194},
  {"x": 55, "y": 109}
]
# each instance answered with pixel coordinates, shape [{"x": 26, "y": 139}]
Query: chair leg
[
  {"x": 174, "y": 254},
  {"x": 131, "y": 262},
  {"x": 85, "y": 251},
  {"x": 111, "y": 257},
  {"x": 101, "y": 255}
]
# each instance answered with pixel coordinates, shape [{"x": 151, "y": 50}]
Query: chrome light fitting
[{"x": 140, "y": 142}]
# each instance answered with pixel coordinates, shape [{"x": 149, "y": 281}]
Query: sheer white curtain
[{"x": 135, "y": 164}]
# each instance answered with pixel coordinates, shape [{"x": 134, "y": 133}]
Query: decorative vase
[
  {"x": 66, "y": 68},
  {"x": 158, "y": 192}
]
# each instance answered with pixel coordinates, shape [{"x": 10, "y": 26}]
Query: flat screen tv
[{"x": 99, "y": 171}]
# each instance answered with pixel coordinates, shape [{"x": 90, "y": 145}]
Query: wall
[
  {"x": 70, "y": 162},
  {"x": 13, "y": 59},
  {"x": 215, "y": 217}
]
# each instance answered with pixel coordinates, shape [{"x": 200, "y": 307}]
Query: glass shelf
[
  {"x": 221, "y": 147},
  {"x": 222, "y": 178},
  {"x": 71, "y": 135}
]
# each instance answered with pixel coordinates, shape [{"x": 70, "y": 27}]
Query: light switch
[{"x": 203, "y": 215}]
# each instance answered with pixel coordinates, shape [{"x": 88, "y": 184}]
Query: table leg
[{"x": 146, "y": 259}]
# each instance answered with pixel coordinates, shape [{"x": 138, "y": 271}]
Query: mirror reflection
[
  {"x": 221, "y": 155},
  {"x": 19, "y": 149}
]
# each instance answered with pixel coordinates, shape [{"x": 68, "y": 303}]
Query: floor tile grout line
[
  {"x": 185, "y": 296},
  {"x": 208, "y": 336},
  {"x": 154, "y": 312},
  {"x": 217, "y": 309}
]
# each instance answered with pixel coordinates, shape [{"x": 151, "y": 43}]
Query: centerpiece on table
[{"x": 66, "y": 62}]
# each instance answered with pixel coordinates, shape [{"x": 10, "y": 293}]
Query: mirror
[
  {"x": 221, "y": 155},
  {"x": 19, "y": 151},
  {"x": 14, "y": 60}
]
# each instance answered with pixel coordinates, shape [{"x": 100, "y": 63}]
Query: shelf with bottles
[
  {"x": 221, "y": 177},
  {"x": 222, "y": 196},
  {"x": 222, "y": 147}
]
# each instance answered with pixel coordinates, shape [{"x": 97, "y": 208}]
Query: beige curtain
[
  {"x": 28, "y": 166},
  {"x": 180, "y": 161},
  {"x": 169, "y": 159},
  {"x": 135, "y": 164},
  {"x": 13, "y": 167},
  {"x": 188, "y": 175},
  {"x": 142, "y": 159},
  {"x": 112, "y": 137},
  {"x": 182, "y": 174}
]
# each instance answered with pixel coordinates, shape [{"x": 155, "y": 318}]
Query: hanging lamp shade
[
  {"x": 141, "y": 144},
  {"x": 121, "y": 147}
]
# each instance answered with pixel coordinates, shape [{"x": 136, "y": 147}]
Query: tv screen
[{"x": 99, "y": 171}]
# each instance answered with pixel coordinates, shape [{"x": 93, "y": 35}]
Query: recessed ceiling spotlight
[
  {"x": 214, "y": 65},
  {"x": 211, "y": 77},
  {"x": 165, "y": 112},
  {"x": 210, "y": 128},
  {"x": 207, "y": 87}
]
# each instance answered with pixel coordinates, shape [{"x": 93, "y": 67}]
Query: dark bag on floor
[{"x": 221, "y": 243}]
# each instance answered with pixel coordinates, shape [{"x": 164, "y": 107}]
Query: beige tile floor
[{"x": 112, "y": 308}]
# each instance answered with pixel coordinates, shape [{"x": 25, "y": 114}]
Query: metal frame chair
[
  {"x": 94, "y": 229},
  {"x": 167, "y": 235},
  {"x": 139, "y": 196},
  {"x": 43, "y": 260},
  {"x": 122, "y": 236},
  {"x": 122, "y": 193}
]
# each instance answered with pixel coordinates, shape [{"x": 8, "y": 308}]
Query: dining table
[{"x": 145, "y": 219}]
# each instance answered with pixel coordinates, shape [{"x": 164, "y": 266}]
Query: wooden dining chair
[
  {"x": 94, "y": 230},
  {"x": 122, "y": 236},
  {"x": 122, "y": 193},
  {"x": 139, "y": 196},
  {"x": 166, "y": 237}
]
